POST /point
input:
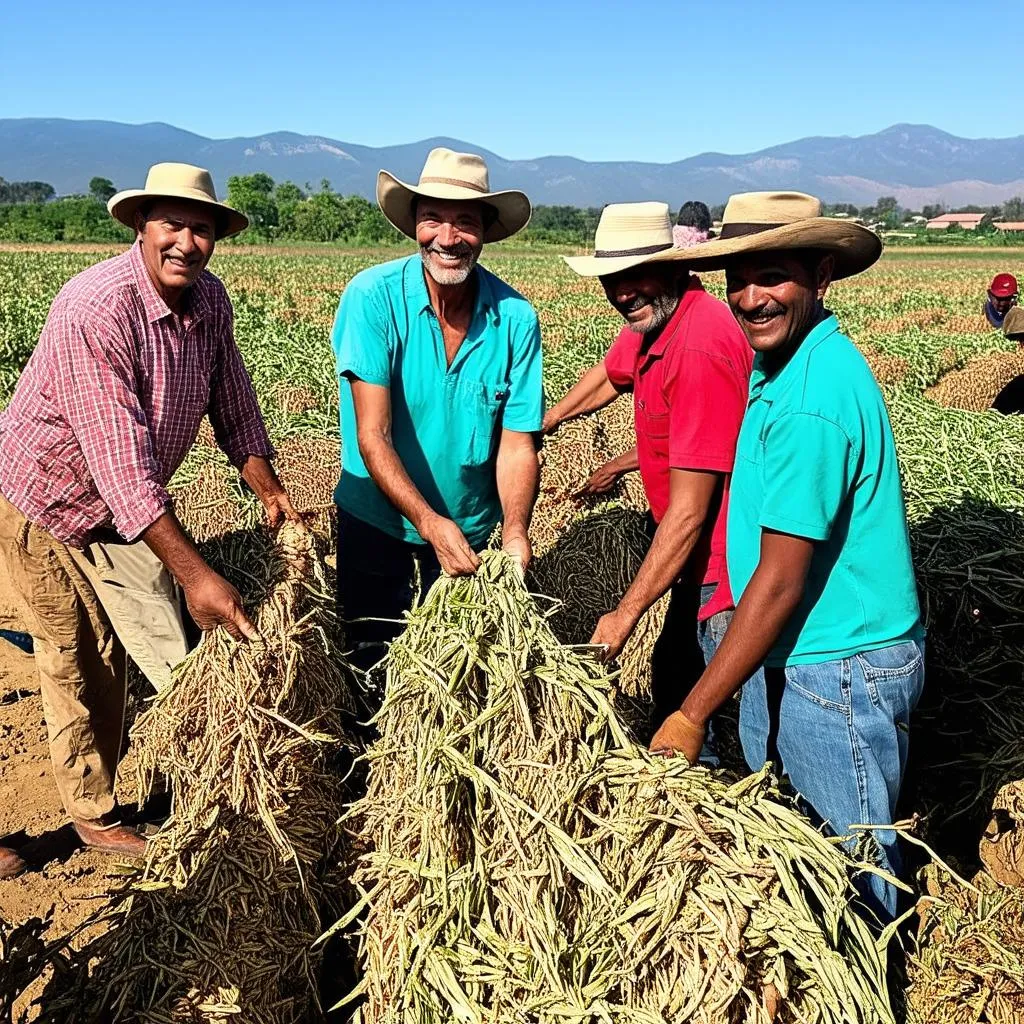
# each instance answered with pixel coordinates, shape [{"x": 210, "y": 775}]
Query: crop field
[{"x": 917, "y": 319}]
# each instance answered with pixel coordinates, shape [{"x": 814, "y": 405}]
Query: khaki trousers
[{"x": 85, "y": 610}]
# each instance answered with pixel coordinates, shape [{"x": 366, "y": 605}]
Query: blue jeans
[{"x": 840, "y": 730}]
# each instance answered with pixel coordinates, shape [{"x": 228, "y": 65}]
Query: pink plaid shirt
[{"x": 111, "y": 401}]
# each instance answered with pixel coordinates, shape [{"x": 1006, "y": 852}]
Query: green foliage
[
  {"x": 101, "y": 189},
  {"x": 25, "y": 191},
  {"x": 73, "y": 219}
]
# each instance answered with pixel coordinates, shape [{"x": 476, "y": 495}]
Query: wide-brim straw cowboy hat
[
  {"x": 449, "y": 175},
  {"x": 177, "y": 181},
  {"x": 627, "y": 235},
  {"x": 777, "y": 221},
  {"x": 1013, "y": 323}
]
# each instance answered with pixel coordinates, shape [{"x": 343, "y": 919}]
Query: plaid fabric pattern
[{"x": 112, "y": 398}]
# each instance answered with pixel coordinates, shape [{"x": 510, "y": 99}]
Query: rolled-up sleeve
[
  {"x": 234, "y": 409},
  {"x": 95, "y": 392},
  {"x": 524, "y": 410},
  {"x": 360, "y": 337}
]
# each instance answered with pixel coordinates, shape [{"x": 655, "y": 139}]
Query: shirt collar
[
  {"x": 196, "y": 302},
  {"x": 686, "y": 300},
  {"x": 418, "y": 296},
  {"x": 814, "y": 337}
]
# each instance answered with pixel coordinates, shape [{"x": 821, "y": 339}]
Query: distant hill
[{"x": 916, "y": 163}]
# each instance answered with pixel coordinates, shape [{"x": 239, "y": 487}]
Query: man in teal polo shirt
[
  {"x": 817, "y": 544},
  {"x": 439, "y": 364}
]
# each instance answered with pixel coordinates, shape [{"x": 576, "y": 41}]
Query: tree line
[{"x": 30, "y": 211}]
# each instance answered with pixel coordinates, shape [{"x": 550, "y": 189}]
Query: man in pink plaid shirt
[{"x": 135, "y": 351}]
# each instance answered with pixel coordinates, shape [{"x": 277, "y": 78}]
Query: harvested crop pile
[
  {"x": 208, "y": 503},
  {"x": 888, "y": 369},
  {"x": 220, "y": 922},
  {"x": 568, "y": 459},
  {"x": 974, "y": 388},
  {"x": 1002, "y": 846},
  {"x": 587, "y": 570},
  {"x": 968, "y": 967},
  {"x": 309, "y": 467},
  {"x": 527, "y": 862}
]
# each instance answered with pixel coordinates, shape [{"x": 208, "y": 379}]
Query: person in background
[
  {"x": 1010, "y": 401},
  {"x": 693, "y": 224},
  {"x": 818, "y": 547},
  {"x": 135, "y": 351},
  {"x": 687, "y": 364},
  {"x": 439, "y": 368},
  {"x": 1002, "y": 297}
]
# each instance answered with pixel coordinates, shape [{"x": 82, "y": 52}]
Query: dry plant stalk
[
  {"x": 220, "y": 922},
  {"x": 975, "y": 387},
  {"x": 527, "y": 862}
]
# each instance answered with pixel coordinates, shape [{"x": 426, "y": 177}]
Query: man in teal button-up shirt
[
  {"x": 817, "y": 548},
  {"x": 439, "y": 366}
]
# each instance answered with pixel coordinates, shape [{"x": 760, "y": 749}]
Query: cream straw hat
[{"x": 627, "y": 234}]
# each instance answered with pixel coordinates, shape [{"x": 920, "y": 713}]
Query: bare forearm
[
  {"x": 518, "y": 478},
  {"x": 766, "y": 606},
  {"x": 627, "y": 462},
  {"x": 388, "y": 473},
  {"x": 674, "y": 541},
  {"x": 261, "y": 476},
  {"x": 593, "y": 391},
  {"x": 168, "y": 541}
]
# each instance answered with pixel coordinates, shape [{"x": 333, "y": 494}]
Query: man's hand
[
  {"x": 279, "y": 508},
  {"x": 457, "y": 558},
  {"x": 213, "y": 602},
  {"x": 550, "y": 423},
  {"x": 678, "y": 735},
  {"x": 602, "y": 480},
  {"x": 518, "y": 546},
  {"x": 612, "y": 632}
]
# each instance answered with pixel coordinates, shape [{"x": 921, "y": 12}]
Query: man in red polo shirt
[{"x": 688, "y": 365}]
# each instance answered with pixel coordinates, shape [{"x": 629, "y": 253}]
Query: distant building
[
  {"x": 964, "y": 221},
  {"x": 1009, "y": 225}
]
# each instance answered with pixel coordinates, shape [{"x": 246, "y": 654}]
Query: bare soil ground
[{"x": 62, "y": 876}]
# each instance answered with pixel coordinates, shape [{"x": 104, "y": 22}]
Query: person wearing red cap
[{"x": 1002, "y": 297}]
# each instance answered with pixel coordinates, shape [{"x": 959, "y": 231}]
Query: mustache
[
  {"x": 633, "y": 306},
  {"x": 762, "y": 314},
  {"x": 460, "y": 251}
]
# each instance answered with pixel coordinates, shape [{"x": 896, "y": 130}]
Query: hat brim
[
  {"x": 395, "y": 199},
  {"x": 854, "y": 247},
  {"x": 123, "y": 207},
  {"x": 599, "y": 266}
]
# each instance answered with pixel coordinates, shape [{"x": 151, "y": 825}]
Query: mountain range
[{"x": 916, "y": 163}]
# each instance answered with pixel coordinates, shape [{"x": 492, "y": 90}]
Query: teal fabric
[
  {"x": 816, "y": 459},
  {"x": 446, "y": 421}
]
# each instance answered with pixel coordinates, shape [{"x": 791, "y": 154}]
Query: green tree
[
  {"x": 101, "y": 189},
  {"x": 252, "y": 194},
  {"x": 1013, "y": 209}
]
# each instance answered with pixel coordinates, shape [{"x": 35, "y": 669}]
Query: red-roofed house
[
  {"x": 964, "y": 221},
  {"x": 1009, "y": 225}
]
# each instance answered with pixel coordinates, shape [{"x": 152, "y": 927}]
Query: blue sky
[{"x": 645, "y": 79}]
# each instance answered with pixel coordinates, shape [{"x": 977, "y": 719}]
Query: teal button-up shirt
[
  {"x": 446, "y": 421},
  {"x": 816, "y": 459}
]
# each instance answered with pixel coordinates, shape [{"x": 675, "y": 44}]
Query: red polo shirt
[{"x": 689, "y": 389}]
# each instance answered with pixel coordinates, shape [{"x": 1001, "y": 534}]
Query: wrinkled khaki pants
[{"x": 84, "y": 611}]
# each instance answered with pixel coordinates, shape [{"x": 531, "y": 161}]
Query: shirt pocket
[
  {"x": 480, "y": 406},
  {"x": 653, "y": 425}
]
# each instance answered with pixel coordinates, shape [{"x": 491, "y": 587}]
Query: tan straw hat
[
  {"x": 773, "y": 221},
  {"x": 1013, "y": 323},
  {"x": 177, "y": 181},
  {"x": 450, "y": 175},
  {"x": 627, "y": 234}
]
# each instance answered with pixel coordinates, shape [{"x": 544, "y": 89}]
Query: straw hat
[
  {"x": 1013, "y": 323},
  {"x": 177, "y": 181},
  {"x": 450, "y": 175},
  {"x": 627, "y": 234},
  {"x": 773, "y": 221}
]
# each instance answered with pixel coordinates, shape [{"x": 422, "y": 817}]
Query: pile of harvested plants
[
  {"x": 220, "y": 922},
  {"x": 527, "y": 862}
]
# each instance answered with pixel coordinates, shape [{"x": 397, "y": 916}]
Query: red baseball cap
[{"x": 1003, "y": 286}]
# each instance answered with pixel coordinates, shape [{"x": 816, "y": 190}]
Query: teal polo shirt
[
  {"x": 816, "y": 459},
  {"x": 446, "y": 421}
]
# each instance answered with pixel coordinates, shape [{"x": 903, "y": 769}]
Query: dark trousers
[
  {"x": 677, "y": 660},
  {"x": 377, "y": 580}
]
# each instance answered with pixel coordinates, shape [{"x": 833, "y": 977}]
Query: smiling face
[
  {"x": 1002, "y": 304},
  {"x": 776, "y": 297},
  {"x": 646, "y": 296},
  {"x": 177, "y": 239},
  {"x": 450, "y": 233}
]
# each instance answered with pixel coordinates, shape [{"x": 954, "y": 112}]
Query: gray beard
[
  {"x": 662, "y": 309},
  {"x": 445, "y": 276}
]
